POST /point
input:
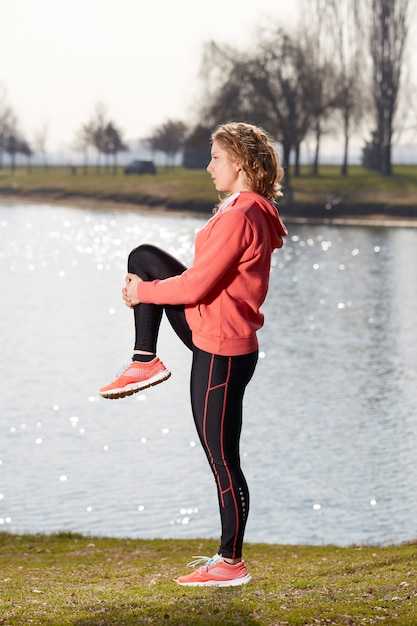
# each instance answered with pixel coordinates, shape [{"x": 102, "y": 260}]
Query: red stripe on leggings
[{"x": 230, "y": 488}]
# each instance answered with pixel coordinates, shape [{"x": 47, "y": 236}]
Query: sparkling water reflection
[{"x": 330, "y": 425}]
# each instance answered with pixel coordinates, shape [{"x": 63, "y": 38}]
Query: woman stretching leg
[
  {"x": 215, "y": 308},
  {"x": 217, "y": 387}
]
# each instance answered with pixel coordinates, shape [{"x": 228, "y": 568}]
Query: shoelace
[
  {"x": 204, "y": 561},
  {"x": 122, "y": 369}
]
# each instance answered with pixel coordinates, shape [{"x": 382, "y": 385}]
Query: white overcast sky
[{"x": 140, "y": 58}]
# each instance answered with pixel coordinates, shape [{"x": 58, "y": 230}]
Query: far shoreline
[{"x": 96, "y": 204}]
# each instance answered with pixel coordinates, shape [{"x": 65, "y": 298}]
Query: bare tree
[
  {"x": 83, "y": 140},
  {"x": 271, "y": 86},
  {"x": 113, "y": 143},
  {"x": 168, "y": 138},
  {"x": 345, "y": 21},
  {"x": 12, "y": 141},
  {"x": 101, "y": 134},
  {"x": 281, "y": 84},
  {"x": 283, "y": 77},
  {"x": 196, "y": 148},
  {"x": 223, "y": 71},
  {"x": 316, "y": 35},
  {"x": 387, "y": 37},
  {"x": 41, "y": 137},
  {"x": 335, "y": 34},
  {"x": 25, "y": 149},
  {"x": 6, "y": 119},
  {"x": 324, "y": 97},
  {"x": 16, "y": 143},
  {"x": 98, "y": 125}
]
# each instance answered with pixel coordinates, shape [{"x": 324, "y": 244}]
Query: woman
[{"x": 214, "y": 307}]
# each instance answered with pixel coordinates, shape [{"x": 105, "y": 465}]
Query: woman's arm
[{"x": 231, "y": 234}]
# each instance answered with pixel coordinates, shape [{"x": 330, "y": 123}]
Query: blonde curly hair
[{"x": 252, "y": 148}]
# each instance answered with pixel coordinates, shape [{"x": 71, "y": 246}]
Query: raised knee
[
  {"x": 144, "y": 248},
  {"x": 141, "y": 259}
]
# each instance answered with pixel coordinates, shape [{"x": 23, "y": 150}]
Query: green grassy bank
[
  {"x": 328, "y": 195},
  {"x": 65, "y": 579}
]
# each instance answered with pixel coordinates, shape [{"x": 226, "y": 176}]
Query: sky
[{"x": 59, "y": 59}]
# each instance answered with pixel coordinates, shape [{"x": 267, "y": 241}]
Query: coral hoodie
[{"x": 228, "y": 281}]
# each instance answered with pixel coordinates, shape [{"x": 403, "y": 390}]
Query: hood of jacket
[{"x": 277, "y": 228}]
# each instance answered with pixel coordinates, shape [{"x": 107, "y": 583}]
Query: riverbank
[
  {"x": 362, "y": 198},
  {"x": 296, "y": 215},
  {"x": 66, "y": 579}
]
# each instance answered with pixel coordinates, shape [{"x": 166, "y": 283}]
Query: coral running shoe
[
  {"x": 215, "y": 573},
  {"x": 134, "y": 377}
]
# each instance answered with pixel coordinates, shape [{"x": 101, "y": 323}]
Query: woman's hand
[{"x": 130, "y": 291}]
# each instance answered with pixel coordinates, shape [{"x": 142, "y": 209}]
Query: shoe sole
[
  {"x": 129, "y": 390},
  {"x": 219, "y": 583}
]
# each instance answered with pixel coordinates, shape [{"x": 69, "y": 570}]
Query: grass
[
  {"x": 361, "y": 186},
  {"x": 179, "y": 188},
  {"x": 68, "y": 579},
  {"x": 64, "y": 579},
  {"x": 176, "y": 188}
]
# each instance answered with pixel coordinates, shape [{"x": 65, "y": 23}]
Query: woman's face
[{"x": 226, "y": 174}]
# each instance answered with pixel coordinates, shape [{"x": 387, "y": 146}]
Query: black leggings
[{"x": 217, "y": 387}]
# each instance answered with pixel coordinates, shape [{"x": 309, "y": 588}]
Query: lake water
[{"x": 330, "y": 426}]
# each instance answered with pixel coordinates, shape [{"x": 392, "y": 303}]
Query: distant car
[{"x": 140, "y": 167}]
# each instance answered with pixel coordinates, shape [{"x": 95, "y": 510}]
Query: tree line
[{"x": 340, "y": 72}]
